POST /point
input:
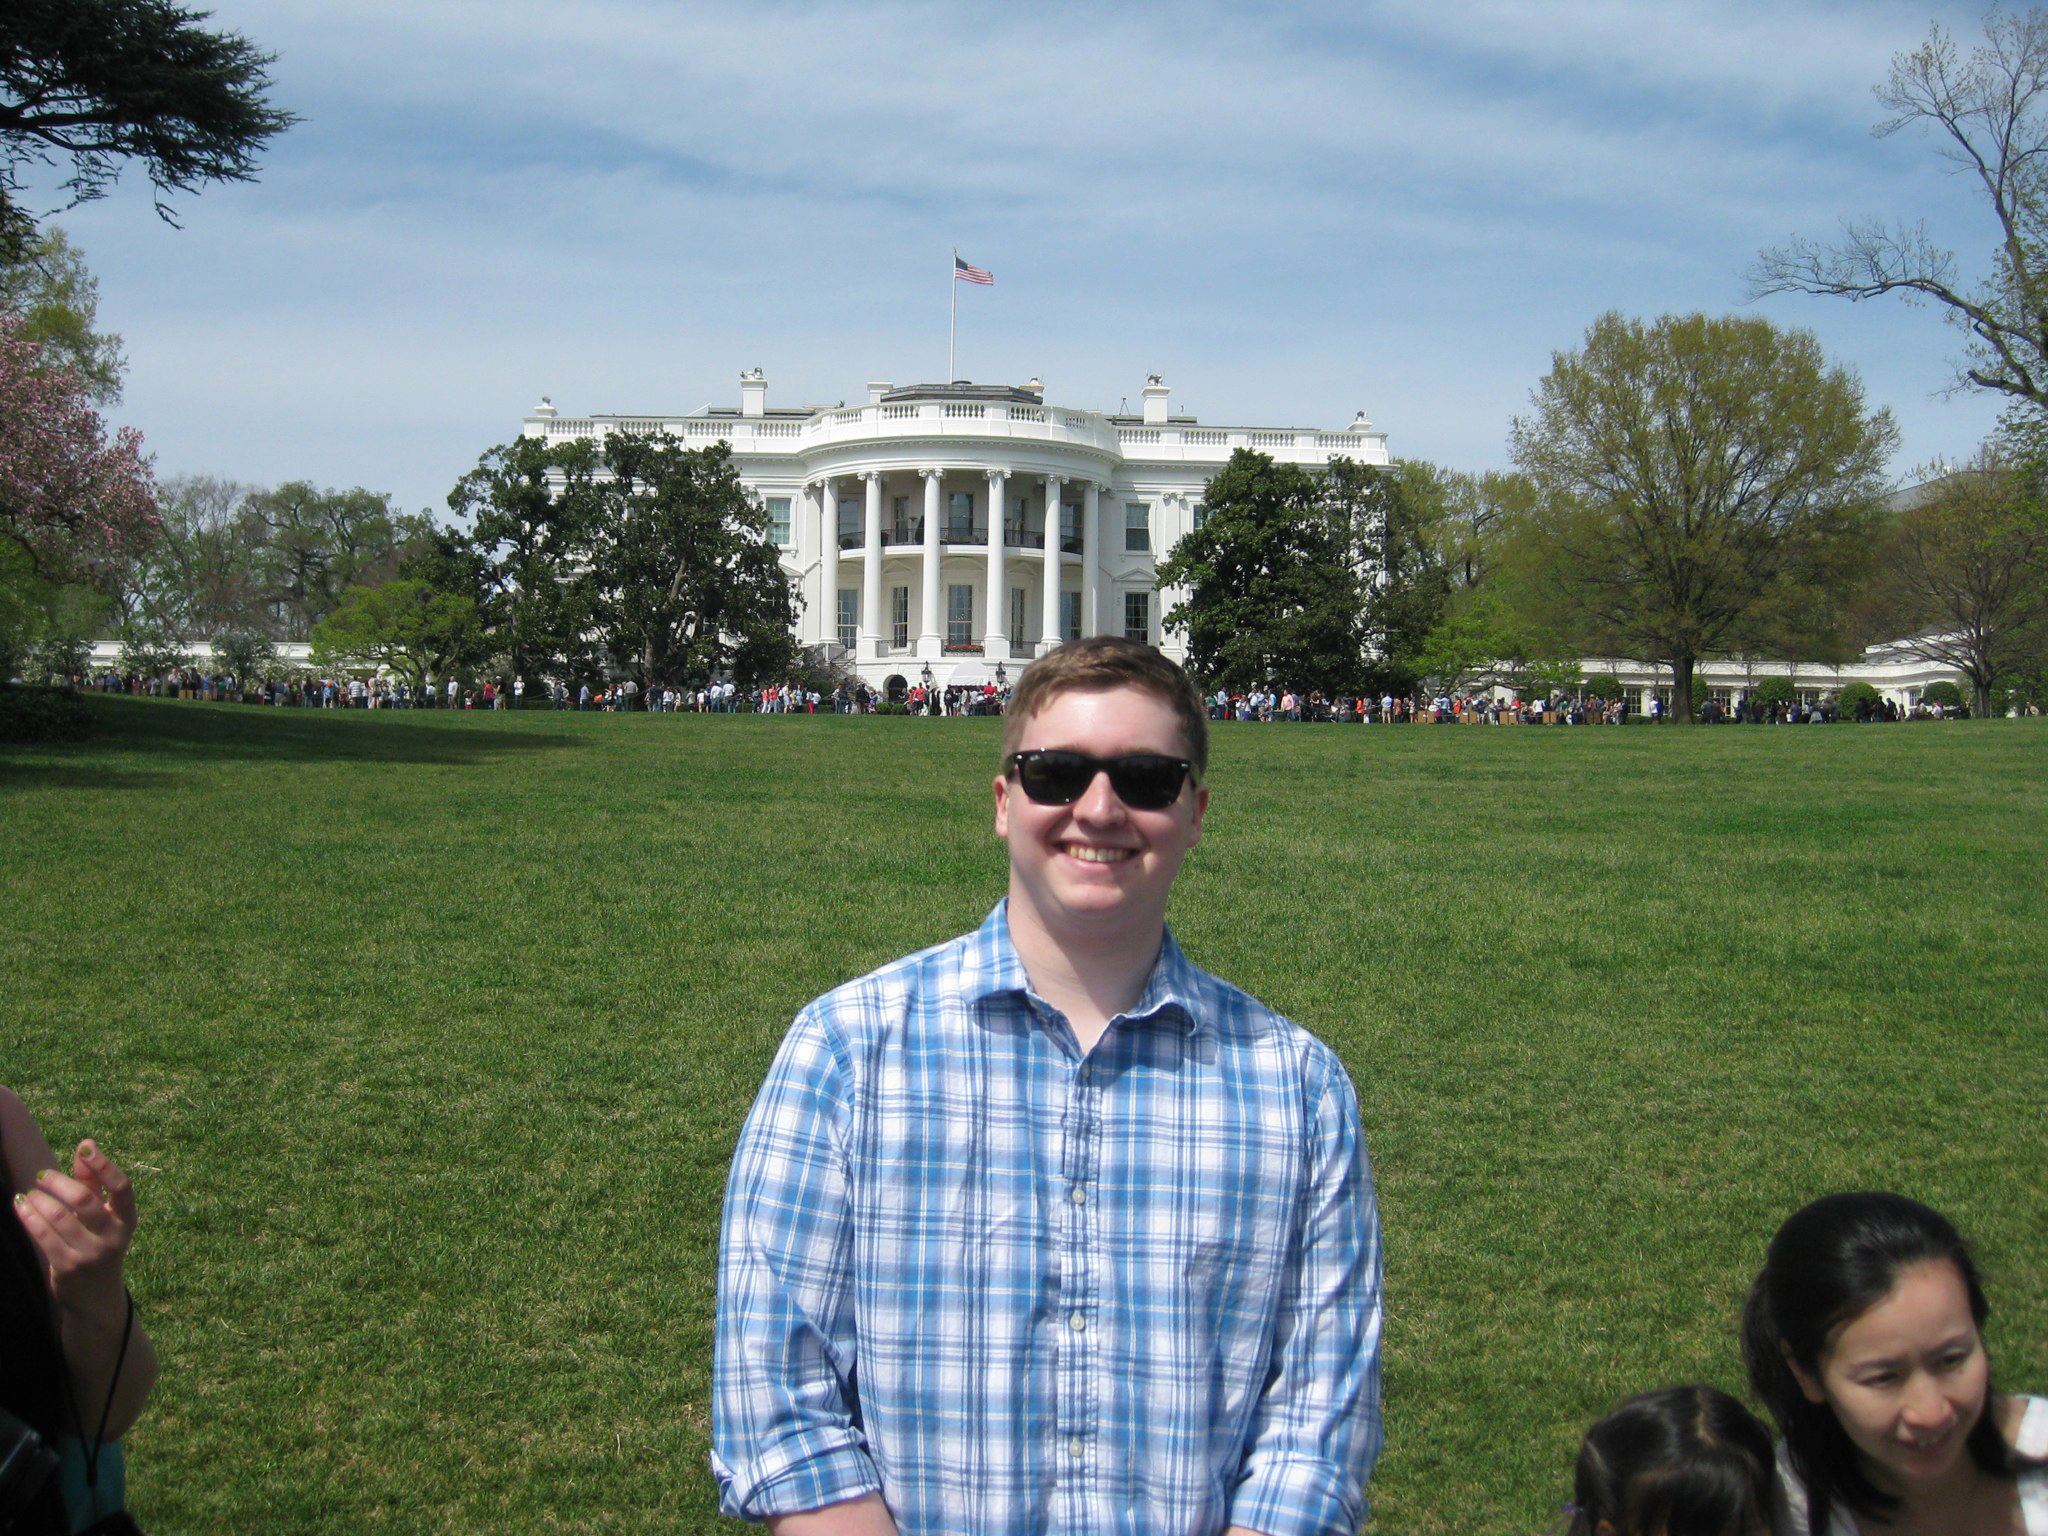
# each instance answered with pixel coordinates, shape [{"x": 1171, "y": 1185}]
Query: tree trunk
[
  {"x": 1681, "y": 689},
  {"x": 1980, "y": 698}
]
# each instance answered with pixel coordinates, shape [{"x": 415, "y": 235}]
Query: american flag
[{"x": 966, "y": 274}]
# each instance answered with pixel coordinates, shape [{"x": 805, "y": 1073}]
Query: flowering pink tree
[{"x": 77, "y": 501}]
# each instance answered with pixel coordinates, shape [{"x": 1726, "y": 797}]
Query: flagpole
[{"x": 952, "y": 309}]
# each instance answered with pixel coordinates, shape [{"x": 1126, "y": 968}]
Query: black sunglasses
[{"x": 1145, "y": 781}]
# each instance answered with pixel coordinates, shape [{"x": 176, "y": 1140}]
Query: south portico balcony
[{"x": 897, "y": 538}]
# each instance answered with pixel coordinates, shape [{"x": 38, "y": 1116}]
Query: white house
[{"x": 901, "y": 517}]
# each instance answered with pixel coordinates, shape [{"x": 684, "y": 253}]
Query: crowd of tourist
[{"x": 1256, "y": 705}]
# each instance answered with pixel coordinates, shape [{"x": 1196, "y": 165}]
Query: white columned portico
[
  {"x": 1091, "y": 560},
  {"x": 995, "y": 641},
  {"x": 871, "y": 572},
  {"x": 931, "y": 640},
  {"x": 828, "y": 524},
  {"x": 1049, "y": 622}
]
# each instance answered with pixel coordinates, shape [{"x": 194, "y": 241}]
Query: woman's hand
[{"x": 82, "y": 1224}]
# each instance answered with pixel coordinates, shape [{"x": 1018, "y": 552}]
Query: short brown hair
[{"x": 1097, "y": 665}]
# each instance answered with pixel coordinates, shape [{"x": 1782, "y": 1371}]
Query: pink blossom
[{"x": 76, "y": 499}]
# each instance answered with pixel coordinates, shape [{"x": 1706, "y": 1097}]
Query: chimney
[
  {"x": 878, "y": 388},
  {"x": 1360, "y": 423},
  {"x": 1155, "y": 401},
  {"x": 545, "y": 408},
  {"x": 753, "y": 393}
]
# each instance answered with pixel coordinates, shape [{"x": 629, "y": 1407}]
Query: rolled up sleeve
[
  {"x": 785, "y": 1430},
  {"x": 1317, "y": 1430}
]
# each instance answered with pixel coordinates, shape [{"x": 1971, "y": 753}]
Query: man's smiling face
[{"x": 1098, "y": 869}]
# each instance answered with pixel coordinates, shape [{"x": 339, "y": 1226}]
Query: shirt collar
[{"x": 994, "y": 969}]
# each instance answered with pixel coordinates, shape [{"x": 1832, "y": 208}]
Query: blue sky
[{"x": 1293, "y": 212}]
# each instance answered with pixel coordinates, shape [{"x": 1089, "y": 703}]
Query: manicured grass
[{"x": 428, "y": 1037}]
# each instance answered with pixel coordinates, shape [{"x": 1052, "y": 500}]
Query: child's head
[{"x": 1683, "y": 1461}]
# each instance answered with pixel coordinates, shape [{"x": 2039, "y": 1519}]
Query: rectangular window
[
  {"x": 1017, "y": 521},
  {"x": 898, "y": 531},
  {"x": 960, "y": 517},
  {"x": 1137, "y": 528},
  {"x": 850, "y": 515},
  {"x": 849, "y": 615},
  {"x": 1070, "y": 615},
  {"x": 960, "y": 615},
  {"x": 778, "y": 520},
  {"x": 1201, "y": 516},
  {"x": 899, "y": 617},
  {"x": 1070, "y": 528},
  {"x": 1138, "y": 617},
  {"x": 1016, "y": 618}
]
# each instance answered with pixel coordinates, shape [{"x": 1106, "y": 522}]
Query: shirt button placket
[{"x": 1077, "y": 1375}]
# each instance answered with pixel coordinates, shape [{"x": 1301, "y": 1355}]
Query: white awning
[{"x": 969, "y": 674}]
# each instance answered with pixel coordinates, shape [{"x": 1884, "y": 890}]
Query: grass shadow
[{"x": 180, "y": 729}]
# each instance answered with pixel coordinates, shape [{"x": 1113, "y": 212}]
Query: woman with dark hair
[
  {"x": 75, "y": 1365},
  {"x": 1684, "y": 1461},
  {"x": 1863, "y": 1336}
]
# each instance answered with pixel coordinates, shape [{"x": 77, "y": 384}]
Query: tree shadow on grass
[{"x": 186, "y": 731}]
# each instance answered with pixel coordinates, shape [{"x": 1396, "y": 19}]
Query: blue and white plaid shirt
[{"x": 1023, "y": 1290}]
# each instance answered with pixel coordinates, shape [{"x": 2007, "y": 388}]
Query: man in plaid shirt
[{"x": 1046, "y": 1229}]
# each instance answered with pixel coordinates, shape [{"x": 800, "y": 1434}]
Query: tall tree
[
  {"x": 205, "y": 573},
  {"x": 687, "y": 583},
  {"x": 1693, "y": 471},
  {"x": 316, "y": 544},
  {"x": 1988, "y": 116},
  {"x": 58, "y": 299},
  {"x": 1273, "y": 587},
  {"x": 1964, "y": 570},
  {"x": 99, "y": 83},
  {"x": 1392, "y": 519},
  {"x": 404, "y": 625},
  {"x": 529, "y": 507}
]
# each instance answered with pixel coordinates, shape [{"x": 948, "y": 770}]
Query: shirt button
[
  {"x": 1076, "y": 1449},
  {"x": 1079, "y": 1196},
  {"x": 1076, "y": 1321}
]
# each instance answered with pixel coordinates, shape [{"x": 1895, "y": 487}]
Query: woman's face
[{"x": 1908, "y": 1378}]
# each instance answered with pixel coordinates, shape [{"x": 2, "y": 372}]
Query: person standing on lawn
[{"x": 1045, "y": 1228}]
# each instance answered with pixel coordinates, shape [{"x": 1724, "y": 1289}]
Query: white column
[
  {"x": 1164, "y": 598},
  {"x": 871, "y": 572},
  {"x": 931, "y": 642},
  {"x": 1049, "y": 623},
  {"x": 828, "y": 519},
  {"x": 1091, "y": 561},
  {"x": 995, "y": 641}
]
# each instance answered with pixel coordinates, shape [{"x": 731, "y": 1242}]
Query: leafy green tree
[
  {"x": 1944, "y": 693},
  {"x": 205, "y": 571},
  {"x": 316, "y": 544},
  {"x": 1988, "y": 117},
  {"x": 1391, "y": 518},
  {"x": 57, "y": 298},
  {"x": 151, "y": 645},
  {"x": 1964, "y": 567},
  {"x": 1693, "y": 473},
  {"x": 1854, "y": 694},
  {"x": 404, "y": 625},
  {"x": 1769, "y": 691},
  {"x": 1273, "y": 591},
  {"x": 1605, "y": 685},
  {"x": 246, "y": 652},
  {"x": 99, "y": 83},
  {"x": 1473, "y": 642},
  {"x": 530, "y": 508},
  {"x": 686, "y": 581}
]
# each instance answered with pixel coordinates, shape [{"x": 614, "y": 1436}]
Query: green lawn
[{"x": 428, "y": 1037}]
